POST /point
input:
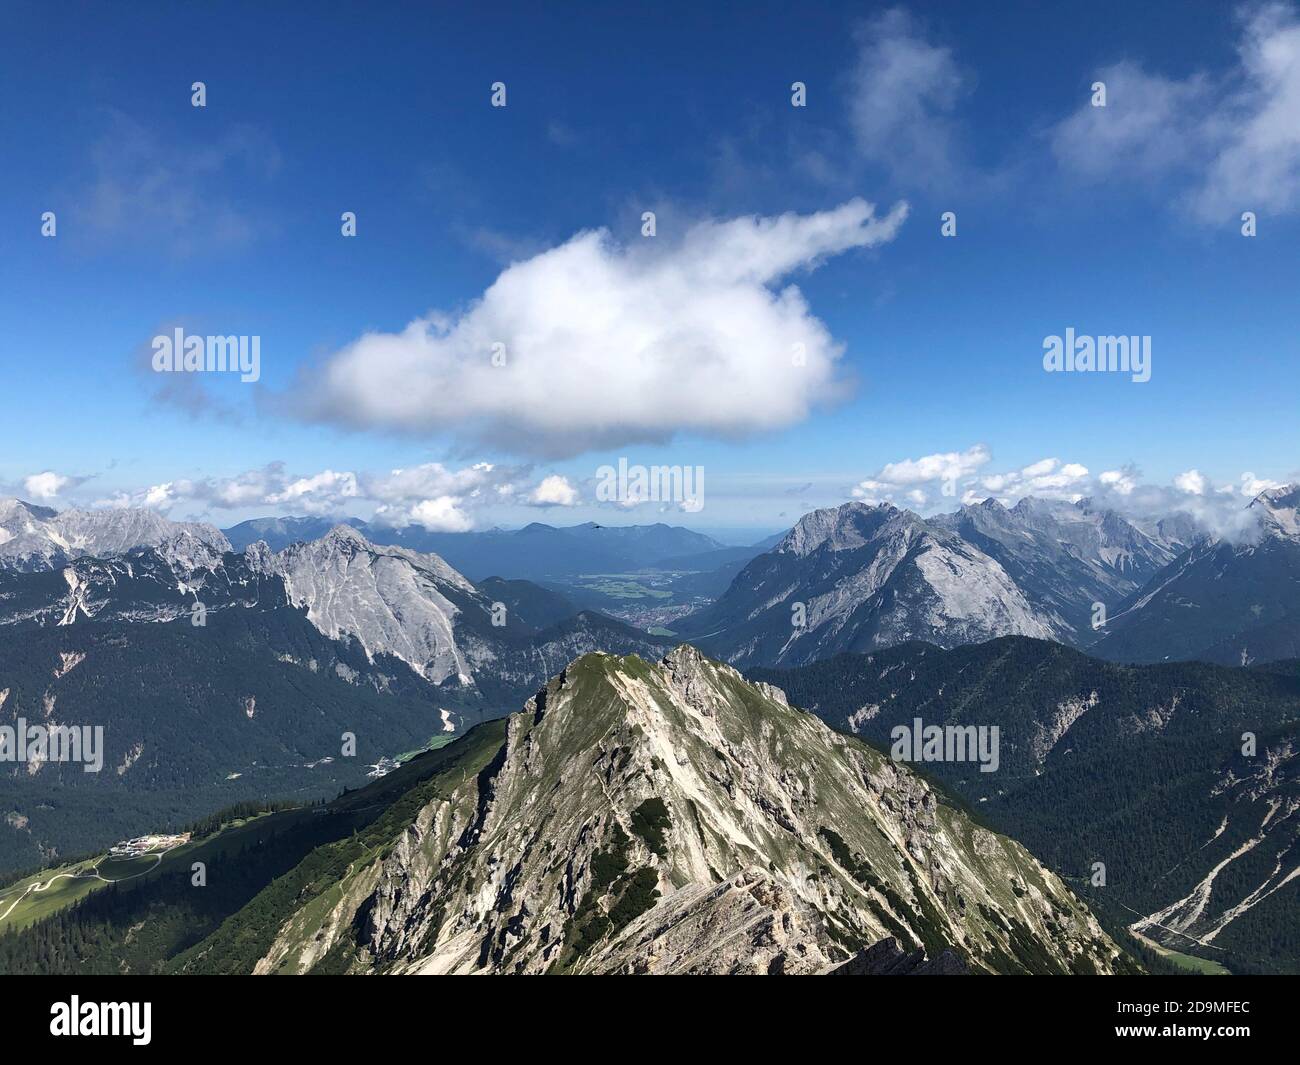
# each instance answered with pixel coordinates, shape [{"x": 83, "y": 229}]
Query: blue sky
[{"x": 926, "y": 365}]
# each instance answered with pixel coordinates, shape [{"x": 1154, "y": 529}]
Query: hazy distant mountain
[
  {"x": 36, "y": 538},
  {"x": 534, "y": 552},
  {"x": 1220, "y": 601},
  {"x": 855, "y": 577},
  {"x": 279, "y": 533},
  {"x": 721, "y": 557},
  {"x": 649, "y": 543},
  {"x": 540, "y": 551},
  {"x": 1139, "y": 767}
]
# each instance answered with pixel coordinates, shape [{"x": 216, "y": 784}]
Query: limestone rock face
[
  {"x": 855, "y": 577},
  {"x": 670, "y": 817}
]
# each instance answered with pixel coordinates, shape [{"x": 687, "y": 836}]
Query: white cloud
[
  {"x": 1220, "y": 508},
  {"x": 554, "y": 491},
  {"x": 159, "y": 191},
  {"x": 1045, "y": 479},
  {"x": 1192, "y": 482},
  {"x": 443, "y": 514},
  {"x": 325, "y": 488},
  {"x": 943, "y": 469},
  {"x": 1258, "y": 163},
  {"x": 1233, "y": 139},
  {"x": 160, "y": 496},
  {"x": 45, "y": 485},
  {"x": 606, "y": 345},
  {"x": 431, "y": 494},
  {"x": 948, "y": 477},
  {"x": 1121, "y": 482},
  {"x": 433, "y": 479},
  {"x": 1251, "y": 486},
  {"x": 1149, "y": 124},
  {"x": 956, "y": 475},
  {"x": 903, "y": 90}
]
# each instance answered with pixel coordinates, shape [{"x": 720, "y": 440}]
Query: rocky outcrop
[
  {"x": 393, "y": 600},
  {"x": 887, "y": 958}
]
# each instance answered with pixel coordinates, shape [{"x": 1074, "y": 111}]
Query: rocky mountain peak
[
  {"x": 670, "y": 817},
  {"x": 259, "y": 556},
  {"x": 1279, "y": 511},
  {"x": 345, "y": 535},
  {"x": 843, "y": 528},
  {"x": 12, "y": 507},
  {"x": 393, "y": 600}
]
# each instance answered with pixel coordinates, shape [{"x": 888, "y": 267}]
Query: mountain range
[
  {"x": 393, "y": 601},
  {"x": 39, "y": 538},
  {"x": 535, "y": 552},
  {"x": 859, "y": 577},
  {"x": 850, "y": 578}
]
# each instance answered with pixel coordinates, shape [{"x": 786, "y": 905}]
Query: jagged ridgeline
[{"x": 660, "y": 818}]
